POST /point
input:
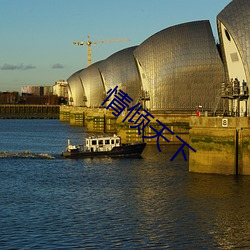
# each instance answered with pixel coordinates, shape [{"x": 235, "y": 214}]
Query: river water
[{"x": 150, "y": 203}]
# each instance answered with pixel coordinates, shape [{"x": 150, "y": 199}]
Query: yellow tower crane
[{"x": 89, "y": 43}]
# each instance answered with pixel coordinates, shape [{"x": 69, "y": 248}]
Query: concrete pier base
[
  {"x": 101, "y": 120},
  {"x": 64, "y": 114},
  {"x": 222, "y": 145}
]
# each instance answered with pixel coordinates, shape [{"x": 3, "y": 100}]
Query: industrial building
[
  {"x": 60, "y": 89},
  {"x": 37, "y": 90},
  {"x": 9, "y": 97},
  {"x": 175, "y": 70}
]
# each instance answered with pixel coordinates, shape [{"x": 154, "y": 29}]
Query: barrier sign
[{"x": 224, "y": 123}]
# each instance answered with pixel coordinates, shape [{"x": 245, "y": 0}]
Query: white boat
[{"x": 96, "y": 146}]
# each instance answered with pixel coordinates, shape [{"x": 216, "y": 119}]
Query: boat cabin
[{"x": 105, "y": 143}]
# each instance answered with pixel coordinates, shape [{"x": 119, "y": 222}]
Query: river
[{"x": 48, "y": 202}]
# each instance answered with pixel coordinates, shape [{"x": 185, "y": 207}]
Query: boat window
[
  {"x": 100, "y": 142},
  {"x": 112, "y": 142},
  {"x": 117, "y": 141},
  {"x": 107, "y": 142},
  {"x": 93, "y": 142}
]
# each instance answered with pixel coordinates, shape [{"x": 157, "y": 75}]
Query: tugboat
[{"x": 103, "y": 146}]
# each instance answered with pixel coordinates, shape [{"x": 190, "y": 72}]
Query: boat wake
[{"x": 26, "y": 154}]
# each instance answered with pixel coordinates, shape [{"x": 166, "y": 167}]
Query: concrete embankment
[
  {"x": 222, "y": 145},
  {"x": 103, "y": 121},
  {"x": 25, "y": 111}
]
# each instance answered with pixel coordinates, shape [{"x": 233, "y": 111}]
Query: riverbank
[{"x": 25, "y": 111}]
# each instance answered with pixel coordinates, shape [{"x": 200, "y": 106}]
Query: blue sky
[{"x": 36, "y": 35}]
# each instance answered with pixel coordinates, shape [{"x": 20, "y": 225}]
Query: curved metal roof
[
  {"x": 236, "y": 18},
  {"x": 93, "y": 85},
  {"x": 120, "y": 70},
  {"x": 180, "y": 67},
  {"x": 76, "y": 91}
]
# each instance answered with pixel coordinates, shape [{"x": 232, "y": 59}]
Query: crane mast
[{"x": 89, "y": 43}]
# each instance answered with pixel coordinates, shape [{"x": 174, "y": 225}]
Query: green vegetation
[
  {"x": 212, "y": 143},
  {"x": 212, "y": 139}
]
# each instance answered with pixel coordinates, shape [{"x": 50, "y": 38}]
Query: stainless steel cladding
[
  {"x": 234, "y": 33},
  {"x": 75, "y": 90},
  {"x": 180, "y": 67},
  {"x": 236, "y": 19},
  {"x": 120, "y": 70},
  {"x": 175, "y": 70},
  {"x": 93, "y": 85}
]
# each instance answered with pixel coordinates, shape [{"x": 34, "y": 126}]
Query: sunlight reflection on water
[{"x": 114, "y": 203}]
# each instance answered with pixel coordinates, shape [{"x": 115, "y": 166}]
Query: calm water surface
[{"x": 148, "y": 203}]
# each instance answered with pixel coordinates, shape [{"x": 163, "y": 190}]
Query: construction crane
[{"x": 89, "y": 43}]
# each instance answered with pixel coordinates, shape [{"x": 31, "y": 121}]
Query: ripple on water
[{"x": 112, "y": 203}]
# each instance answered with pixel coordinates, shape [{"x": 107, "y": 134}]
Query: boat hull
[{"x": 126, "y": 150}]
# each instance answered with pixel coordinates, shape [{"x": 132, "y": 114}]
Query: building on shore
[
  {"x": 60, "y": 89},
  {"x": 37, "y": 90},
  {"x": 45, "y": 95},
  {"x": 9, "y": 97}
]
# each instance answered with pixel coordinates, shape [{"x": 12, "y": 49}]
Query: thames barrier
[
  {"x": 193, "y": 85},
  {"x": 216, "y": 139},
  {"x": 194, "y": 88}
]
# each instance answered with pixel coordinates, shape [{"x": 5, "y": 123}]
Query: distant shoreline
[{"x": 24, "y": 111}]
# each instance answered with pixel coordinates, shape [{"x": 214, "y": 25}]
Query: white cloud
[
  {"x": 21, "y": 66},
  {"x": 57, "y": 66}
]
